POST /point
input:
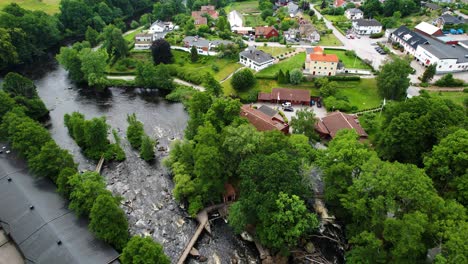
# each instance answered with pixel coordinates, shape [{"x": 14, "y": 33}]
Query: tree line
[{"x": 86, "y": 191}]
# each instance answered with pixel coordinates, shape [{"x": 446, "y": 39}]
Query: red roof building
[
  {"x": 328, "y": 126},
  {"x": 266, "y": 32},
  {"x": 281, "y": 95},
  {"x": 324, "y": 57},
  {"x": 262, "y": 121},
  {"x": 198, "y": 17},
  {"x": 338, "y": 3}
]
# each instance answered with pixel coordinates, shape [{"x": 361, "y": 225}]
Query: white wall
[
  {"x": 254, "y": 66},
  {"x": 443, "y": 65},
  {"x": 366, "y": 30}
]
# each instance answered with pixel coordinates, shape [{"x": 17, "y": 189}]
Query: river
[{"x": 145, "y": 188}]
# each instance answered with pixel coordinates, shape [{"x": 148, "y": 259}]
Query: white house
[
  {"x": 143, "y": 41},
  {"x": 293, "y": 9},
  {"x": 204, "y": 46},
  {"x": 448, "y": 57},
  {"x": 235, "y": 19},
  {"x": 255, "y": 59},
  {"x": 354, "y": 13},
  {"x": 159, "y": 26},
  {"x": 366, "y": 26}
]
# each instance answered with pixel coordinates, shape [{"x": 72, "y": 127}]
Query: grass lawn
[
  {"x": 349, "y": 62},
  {"x": 362, "y": 94},
  {"x": 131, "y": 37},
  {"x": 295, "y": 62},
  {"x": 243, "y": 7},
  {"x": 329, "y": 40},
  {"x": 456, "y": 97},
  {"x": 253, "y": 21},
  {"x": 48, "y": 6},
  {"x": 340, "y": 18},
  {"x": 275, "y": 51},
  {"x": 265, "y": 85}
]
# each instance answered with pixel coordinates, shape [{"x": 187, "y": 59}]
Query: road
[{"x": 179, "y": 81}]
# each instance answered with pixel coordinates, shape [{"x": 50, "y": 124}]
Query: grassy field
[
  {"x": 329, "y": 40},
  {"x": 456, "y": 97},
  {"x": 253, "y": 21},
  {"x": 275, "y": 51},
  {"x": 294, "y": 62},
  {"x": 349, "y": 62},
  {"x": 48, "y": 6},
  {"x": 131, "y": 37},
  {"x": 331, "y": 18},
  {"x": 362, "y": 94},
  {"x": 243, "y": 7}
]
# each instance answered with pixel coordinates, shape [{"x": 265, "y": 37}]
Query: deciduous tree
[
  {"x": 393, "y": 81},
  {"x": 135, "y": 131},
  {"x": 143, "y": 250},
  {"x": 147, "y": 148},
  {"x": 50, "y": 161},
  {"x": 429, "y": 73},
  {"x": 295, "y": 76},
  {"x": 303, "y": 123},
  {"x": 243, "y": 80},
  {"x": 161, "y": 51},
  {"x": 86, "y": 187},
  {"x": 17, "y": 85}
]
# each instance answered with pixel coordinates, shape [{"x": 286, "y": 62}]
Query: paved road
[{"x": 179, "y": 81}]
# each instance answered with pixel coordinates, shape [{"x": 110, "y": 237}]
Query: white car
[{"x": 286, "y": 104}]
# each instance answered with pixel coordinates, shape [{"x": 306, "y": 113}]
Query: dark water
[{"x": 146, "y": 188}]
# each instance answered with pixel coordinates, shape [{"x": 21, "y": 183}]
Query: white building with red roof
[{"x": 319, "y": 63}]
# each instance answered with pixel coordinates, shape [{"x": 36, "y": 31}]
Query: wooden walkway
[
  {"x": 99, "y": 165},
  {"x": 202, "y": 218}
]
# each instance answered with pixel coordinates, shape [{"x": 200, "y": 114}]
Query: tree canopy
[
  {"x": 143, "y": 250},
  {"x": 161, "y": 51},
  {"x": 243, "y": 80},
  {"x": 393, "y": 81}
]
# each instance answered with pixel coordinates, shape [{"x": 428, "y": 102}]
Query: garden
[
  {"x": 349, "y": 59},
  {"x": 294, "y": 62}
]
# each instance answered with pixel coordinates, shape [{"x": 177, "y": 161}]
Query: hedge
[{"x": 344, "y": 78}]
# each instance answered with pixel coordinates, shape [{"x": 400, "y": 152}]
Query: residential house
[
  {"x": 255, "y": 59},
  {"x": 199, "y": 16},
  {"x": 235, "y": 19},
  {"x": 354, "y": 13},
  {"x": 408, "y": 39},
  {"x": 282, "y": 95},
  {"x": 265, "y": 119},
  {"x": 243, "y": 30},
  {"x": 292, "y": 34},
  {"x": 293, "y": 9},
  {"x": 428, "y": 29},
  {"x": 328, "y": 127},
  {"x": 366, "y": 26},
  {"x": 308, "y": 31},
  {"x": 143, "y": 41},
  {"x": 266, "y": 32},
  {"x": 282, "y": 2},
  {"x": 204, "y": 46},
  {"x": 319, "y": 63},
  {"x": 339, "y": 3},
  {"x": 449, "y": 20},
  {"x": 160, "y": 26},
  {"x": 432, "y": 6},
  {"x": 39, "y": 222}
]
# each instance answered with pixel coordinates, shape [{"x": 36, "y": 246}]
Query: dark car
[
  {"x": 312, "y": 102},
  {"x": 288, "y": 109},
  {"x": 319, "y": 104}
]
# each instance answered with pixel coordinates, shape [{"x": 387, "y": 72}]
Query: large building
[
  {"x": 204, "y": 46},
  {"x": 366, "y": 26},
  {"x": 143, "y": 41},
  {"x": 319, "y": 63},
  {"x": 354, "y": 13},
  {"x": 328, "y": 126},
  {"x": 264, "y": 118},
  {"x": 266, "y": 32},
  {"x": 255, "y": 59},
  {"x": 200, "y": 19},
  {"x": 282, "y": 95},
  {"x": 428, "y": 29},
  {"x": 449, "y": 55},
  {"x": 38, "y": 220}
]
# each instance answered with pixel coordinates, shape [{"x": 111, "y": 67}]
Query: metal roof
[
  {"x": 39, "y": 222},
  {"x": 409, "y": 37},
  {"x": 256, "y": 55}
]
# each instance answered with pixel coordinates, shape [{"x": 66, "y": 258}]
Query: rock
[
  {"x": 246, "y": 236},
  {"x": 171, "y": 207},
  {"x": 180, "y": 222},
  {"x": 202, "y": 259},
  {"x": 161, "y": 149},
  {"x": 216, "y": 259},
  {"x": 140, "y": 224},
  {"x": 310, "y": 248}
]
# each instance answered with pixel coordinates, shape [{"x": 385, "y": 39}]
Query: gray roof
[
  {"x": 267, "y": 110},
  {"x": 37, "y": 231},
  {"x": 367, "y": 23},
  {"x": 409, "y": 37},
  {"x": 446, "y": 51},
  {"x": 256, "y": 55},
  {"x": 432, "y": 6},
  {"x": 451, "y": 20},
  {"x": 354, "y": 11},
  {"x": 292, "y": 8},
  {"x": 201, "y": 42}
]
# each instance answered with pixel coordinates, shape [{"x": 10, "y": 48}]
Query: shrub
[
  {"x": 377, "y": 35},
  {"x": 448, "y": 81},
  {"x": 295, "y": 76},
  {"x": 333, "y": 104},
  {"x": 243, "y": 80},
  {"x": 134, "y": 24},
  {"x": 134, "y": 131},
  {"x": 344, "y": 78},
  {"x": 215, "y": 68}
]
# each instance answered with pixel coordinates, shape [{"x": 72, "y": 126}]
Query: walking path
[
  {"x": 202, "y": 218},
  {"x": 230, "y": 75},
  {"x": 179, "y": 81}
]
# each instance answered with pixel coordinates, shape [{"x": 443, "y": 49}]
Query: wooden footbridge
[{"x": 202, "y": 218}]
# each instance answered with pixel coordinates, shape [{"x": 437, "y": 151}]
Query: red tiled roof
[
  {"x": 339, "y": 3},
  {"x": 324, "y": 57},
  {"x": 261, "y": 121},
  {"x": 264, "y": 96},
  {"x": 317, "y": 50},
  {"x": 284, "y": 94},
  {"x": 337, "y": 121},
  {"x": 263, "y": 30}
]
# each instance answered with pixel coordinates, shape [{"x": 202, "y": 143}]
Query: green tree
[
  {"x": 393, "y": 81},
  {"x": 448, "y": 81},
  {"x": 295, "y": 76},
  {"x": 143, "y": 250},
  {"x": 114, "y": 43},
  {"x": 372, "y": 8},
  {"x": 8, "y": 52},
  {"x": 329, "y": 89},
  {"x": 243, "y": 80},
  {"x": 86, "y": 188},
  {"x": 303, "y": 123},
  {"x": 281, "y": 77},
  {"x": 193, "y": 54},
  {"x": 17, "y": 85},
  {"x": 75, "y": 15},
  {"x": 212, "y": 85},
  {"x": 366, "y": 246},
  {"x": 108, "y": 221},
  {"x": 161, "y": 52},
  {"x": 6, "y": 103},
  {"x": 287, "y": 76},
  {"x": 93, "y": 66},
  {"x": 156, "y": 77},
  {"x": 289, "y": 221},
  {"x": 29, "y": 137},
  {"x": 197, "y": 108},
  {"x": 429, "y": 73},
  {"x": 63, "y": 187},
  {"x": 95, "y": 135},
  {"x": 135, "y": 131},
  {"x": 75, "y": 124},
  {"x": 92, "y": 36},
  {"x": 70, "y": 60},
  {"x": 447, "y": 166},
  {"x": 51, "y": 161},
  {"x": 147, "y": 148},
  {"x": 35, "y": 108}
]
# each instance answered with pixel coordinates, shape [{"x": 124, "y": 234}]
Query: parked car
[
  {"x": 286, "y": 104},
  {"x": 319, "y": 104},
  {"x": 312, "y": 102},
  {"x": 288, "y": 109}
]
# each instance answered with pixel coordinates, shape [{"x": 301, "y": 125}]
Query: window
[
  {"x": 320, "y": 68},
  {"x": 324, "y": 68},
  {"x": 450, "y": 66},
  {"x": 332, "y": 63}
]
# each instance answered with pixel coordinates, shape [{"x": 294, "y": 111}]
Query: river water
[{"x": 146, "y": 188}]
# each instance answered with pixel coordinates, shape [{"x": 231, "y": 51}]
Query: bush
[
  {"x": 448, "y": 81},
  {"x": 333, "y": 104},
  {"x": 215, "y": 68},
  {"x": 344, "y": 78},
  {"x": 250, "y": 96},
  {"x": 134, "y": 131},
  {"x": 134, "y": 24},
  {"x": 377, "y": 35},
  {"x": 147, "y": 148},
  {"x": 295, "y": 76},
  {"x": 243, "y": 80},
  {"x": 143, "y": 248}
]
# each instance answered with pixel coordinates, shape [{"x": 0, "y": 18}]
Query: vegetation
[
  {"x": 161, "y": 51},
  {"x": 141, "y": 250},
  {"x": 393, "y": 80},
  {"x": 303, "y": 123},
  {"x": 135, "y": 131},
  {"x": 243, "y": 80},
  {"x": 448, "y": 81},
  {"x": 294, "y": 62},
  {"x": 295, "y": 77},
  {"x": 349, "y": 59},
  {"x": 147, "y": 148},
  {"x": 429, "y": 73},
  {"x": 154, "y": 77}
]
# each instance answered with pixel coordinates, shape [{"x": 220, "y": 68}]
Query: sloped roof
[
  {"x": 263, "y": 30},
  {"x": 264, "y": 96},
  {"x": 337, "y": 121},
  {"x": 285, "y": 94},
  {"x": 324, "y": 57},
  {"x": 38, "y": 229},
  {"x": 409, "y": 37},
  {"x": 339, "y": 3},
  {"x": 367, "y": 23},
  {"x": 427, "y": 28},
  {"x": 257, "y": 55},
  {"x": 449, "y": 19},
  {"x": 267, "y": 110},
  {"x": 261, "y": 121},
  {"x": 354, "y": 11},
  {"x": 432, "y": 6}
]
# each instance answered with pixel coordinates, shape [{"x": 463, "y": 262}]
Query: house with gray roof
[
  {"x": 293, "y": 9},
  {"x": 448, "y": 57},
  {"x": 354, "y": 13},
  {"x": 447, "y": 19},
  {"x": 366, "y": 26},
  {"x": 255, "y": 59},
  {"x": 408, "y": 39},
  {"x": 204, "y": 46},
  {"x": 39, "y": 222}
]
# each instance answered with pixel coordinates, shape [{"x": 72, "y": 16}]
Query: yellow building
[{"x": 319, "y": 63}]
